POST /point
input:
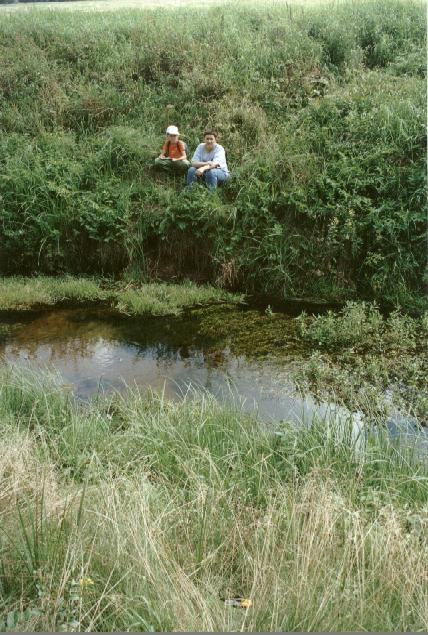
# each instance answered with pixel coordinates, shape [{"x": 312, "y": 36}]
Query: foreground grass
[
  {"x": 19, "y": 293},
  {"x": 115, "y": 5},
  {"x": 140, "y": 514}
]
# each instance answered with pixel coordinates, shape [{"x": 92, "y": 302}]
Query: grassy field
[
  {"x": 322, "y": 117},
  {"x": 109, "y": 5},
  {"x": 114, "y": 5},
  {"x": 138, "y": 514}
]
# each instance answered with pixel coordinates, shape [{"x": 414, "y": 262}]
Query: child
[{"x": 173, "y": 155}]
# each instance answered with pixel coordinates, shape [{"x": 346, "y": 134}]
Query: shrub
[
  {"x": 358, "y": 324},
  {"x": 322, "y": 117}
]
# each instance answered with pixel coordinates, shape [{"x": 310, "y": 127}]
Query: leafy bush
[
  {"x": 357, "y": 324},
  {"x": 361, "y": 325}
]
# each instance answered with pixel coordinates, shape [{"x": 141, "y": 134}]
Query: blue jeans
[{"x": 211, "y": 177}]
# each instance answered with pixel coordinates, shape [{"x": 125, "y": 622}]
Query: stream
[
  {"x": 235, "y": 354},
  {"x": 95, "y": 350}
]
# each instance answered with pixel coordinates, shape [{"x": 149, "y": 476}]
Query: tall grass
[
  {"x": 322, "y": 115},
  {"x": 18, "y": 293},
  {"x": 139, "y": 514}
]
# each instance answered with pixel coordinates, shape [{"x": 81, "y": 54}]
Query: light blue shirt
[{"x": 216, "y": 154}]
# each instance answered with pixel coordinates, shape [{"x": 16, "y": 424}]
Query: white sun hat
[{"x": 172, "y": 130}]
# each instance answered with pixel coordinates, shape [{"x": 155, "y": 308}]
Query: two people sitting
[{"x": 208, "y": 161}]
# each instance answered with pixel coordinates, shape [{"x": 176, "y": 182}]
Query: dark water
[
  {"x": 96, "y": 351},
  {"x": 241, "y": 356}
]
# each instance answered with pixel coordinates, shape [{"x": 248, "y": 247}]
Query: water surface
[
  {"x": 221, "y": 351},
  {"x": 242, "y": 356}
]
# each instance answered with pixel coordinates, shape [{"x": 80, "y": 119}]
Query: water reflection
[{"x": 95, "y": 351}]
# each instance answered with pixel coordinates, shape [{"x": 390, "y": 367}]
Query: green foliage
[
  {"x": 362, "y": 326},
  {"x": 368, "y": 361},
  {"x": 322, "y": 117},
  {"x": 357, "y": 324}
]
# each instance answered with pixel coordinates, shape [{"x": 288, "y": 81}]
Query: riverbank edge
[{"x": 25, "y": 294}]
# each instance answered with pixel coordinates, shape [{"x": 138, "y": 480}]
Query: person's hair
[{"x": 213, "y": 132}]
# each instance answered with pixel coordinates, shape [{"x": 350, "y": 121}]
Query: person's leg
[
  {"x": 163, "y": 164},
  {"x": 191, "y": 176},
  {"x": 181, "y": 166},
  {"x": 213, "y": 177}
]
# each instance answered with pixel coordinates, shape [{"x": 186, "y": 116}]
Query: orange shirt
[{"x": 173, "y": 150}]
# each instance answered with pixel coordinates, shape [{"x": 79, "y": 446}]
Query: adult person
[
  {"x": 173, "y": 156},
  {"x": 208, "y": 162}
]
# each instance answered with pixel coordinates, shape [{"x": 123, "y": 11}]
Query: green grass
[
  {"x": 18, "y": 293},
  {"x": 157, "y": 4},
  {"x": 170, "y": 507},
  {"x": 367, "y": 360},
  {"x": 322, "y": 114},
  {"x": 169, "y": 299},
  {"x": 21, "y": 294}
]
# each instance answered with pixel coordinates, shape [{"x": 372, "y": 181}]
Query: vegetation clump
[
  {"x": 20, "y": 294},
  {"x": 322, "y": 116},
  {"x": 362, "y": 326},
  {"x": 364, "y": 358}
]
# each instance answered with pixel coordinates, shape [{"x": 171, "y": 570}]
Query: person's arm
[
  {"x": 197, "y": 160},
  {"x": 202, "y": 166},
  {"x": 162, "y": 154},
  {"x": 219, "y": 158}
]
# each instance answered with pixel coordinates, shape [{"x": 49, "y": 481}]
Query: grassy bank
[
  {"x": 322, "y": 114},
  {"x": 139, "y": 514},
  {"x": 23, "y": 294}
]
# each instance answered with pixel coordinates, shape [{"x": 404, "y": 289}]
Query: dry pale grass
[
  {"x": 23, "y": 473},
  {"x": 114, "y": 5},
  {"x": 309, "y": 562}
]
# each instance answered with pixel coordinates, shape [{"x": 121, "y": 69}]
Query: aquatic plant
[{"x": 365, "y": 359}]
